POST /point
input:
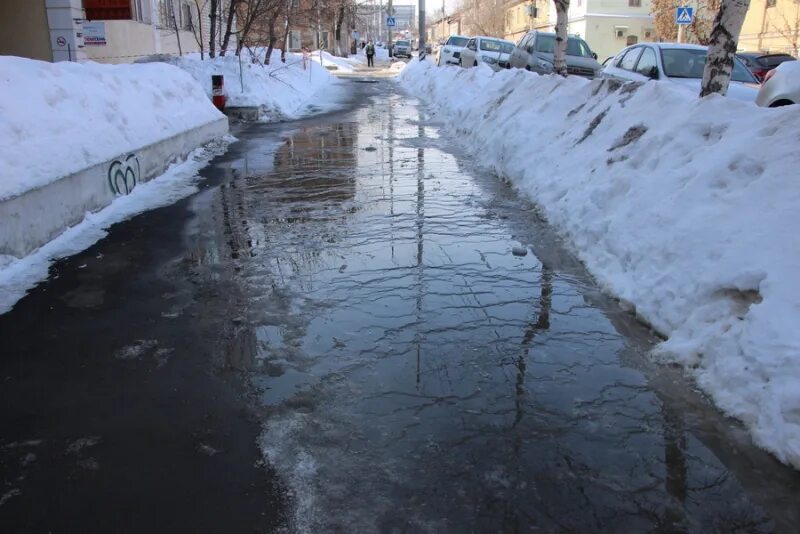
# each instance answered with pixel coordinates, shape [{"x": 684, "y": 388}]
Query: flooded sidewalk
[{"x": 427, "y": 356}]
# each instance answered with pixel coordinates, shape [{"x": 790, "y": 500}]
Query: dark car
[
  {"x": 761, "y": 64},
  {"x": 535, "y": 52}
]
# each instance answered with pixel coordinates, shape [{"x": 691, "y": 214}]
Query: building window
[
  {"x": 294, "y": 40},
  {"x": 107, "y": 9},
  {"x": 771, "y": 3},
  {"x": 634, "y": 3},
  {"x": 631, "y": 40}
]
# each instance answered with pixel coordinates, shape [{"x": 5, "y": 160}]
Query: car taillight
[
  {"x": 769, "y": 75},
  {"x": 760, "y": 73}
]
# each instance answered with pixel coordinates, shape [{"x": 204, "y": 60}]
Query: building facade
[
  {"x": 771, "y": 26},
  {"x": 524, "y": 15}
]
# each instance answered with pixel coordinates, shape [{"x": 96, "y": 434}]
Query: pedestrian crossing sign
[
  {"x": 684, "y": 15},
  {"x": 390, "y": 22}
]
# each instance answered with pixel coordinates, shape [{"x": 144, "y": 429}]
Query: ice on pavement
[
  {"x": 59, "y": 118},
  {"x": 685, "y": 208},
  {"x": 17, "y": 276}
]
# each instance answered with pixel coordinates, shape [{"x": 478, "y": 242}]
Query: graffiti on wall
[{"x": 123, "y": 174}]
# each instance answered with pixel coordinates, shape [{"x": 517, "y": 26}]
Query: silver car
[
  {"x": 682, "y": 64},
  {"x": 781, "y": 86},
  {"x": 402, "y": 48},
  {"x": 534, "y": 52}
]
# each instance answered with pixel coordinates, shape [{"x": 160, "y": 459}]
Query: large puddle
[{"x": 416, "y": 373}]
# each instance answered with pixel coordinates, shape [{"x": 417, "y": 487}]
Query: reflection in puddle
[{"x": 416, "y": 374}]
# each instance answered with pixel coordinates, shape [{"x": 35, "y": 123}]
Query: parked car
[
  {"x": 534, "y": 52},
  {"x": 490, "y": 50},
  {"x": 781, "y": 86},
  {"x": 761, "y": 64},
  {"x": 402, "y": 48},
  {"x": 679, "y": 63},
  {"x": 450, "y": 53}
]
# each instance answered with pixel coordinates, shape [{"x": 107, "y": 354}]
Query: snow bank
[
  {"x": 59, "y": 118},
  {"x": 343, "y": 64},
  {"x": 279, "y": 90},
  {"x": 685, "y": 208}
]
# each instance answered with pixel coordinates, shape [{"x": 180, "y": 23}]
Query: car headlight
[
  {"x": 488, "y": 59},
  {"x": 545, "y": 65}
]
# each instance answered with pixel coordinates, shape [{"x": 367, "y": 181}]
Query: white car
[
  {"x": 490, "y": 50},
  {"x": 679, "y": 63},
  {"x": 450, "y": 53},
  {"x": 781, "y": 86}
]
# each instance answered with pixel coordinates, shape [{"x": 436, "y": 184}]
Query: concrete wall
[
  {"x": 23, "y": 29},
  {"x": 32, "y": 219}
]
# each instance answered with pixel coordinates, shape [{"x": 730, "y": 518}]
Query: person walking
[{"x": 370, "y": 50}]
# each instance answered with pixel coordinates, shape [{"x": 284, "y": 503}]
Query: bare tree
[
  {"x": 212, "y": 31},
  {"x": 560, "y": 52},
  {"x": 722, "y": 46},
  {"x": 197, "y": 29},
  {"x": 699, "y": 31},
  {"x": 230, "y": 17},
  {"x": 484, "y": 17},
  {"x": 169, "y": 21},
  {"x": 788, "y": 26}
]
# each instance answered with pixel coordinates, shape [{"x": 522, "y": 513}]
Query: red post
[{"x": 217, "y": 91}]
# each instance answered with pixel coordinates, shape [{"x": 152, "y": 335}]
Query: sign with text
[{"x": 94, "y": 33}]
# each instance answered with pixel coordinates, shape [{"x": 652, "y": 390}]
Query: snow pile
[
  {"x": 59, "y": 118},
  {"x": 341, "y": 64},
  {"x": 685, "y": 208},
  {"x": 280, "y": 90}
]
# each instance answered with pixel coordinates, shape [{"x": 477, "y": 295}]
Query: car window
[
  {"x": 471, "y": 44},
  {"x": 646, "y": 62},
  {"x": 523, "y": 43},
  {"x": 457, "y": 41},
  {"x": 490, "y": 45},
  {"x": 690, "y": 63},
  {"x": 628, "y": 61},
  {"x": 773, "y": 61},
  {"x": 575, "y": 47},
  {"x": 402, "y": 43}
]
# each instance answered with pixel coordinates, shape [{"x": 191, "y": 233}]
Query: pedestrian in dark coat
[{"x": 370, "y": 50}]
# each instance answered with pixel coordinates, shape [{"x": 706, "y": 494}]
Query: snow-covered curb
[
  {"x": 18, "y": 275},
  {"x": 280, "y": 91},
  {"x": 685, "y": 208}
]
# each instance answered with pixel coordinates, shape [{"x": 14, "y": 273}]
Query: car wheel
[
  {"x": 475, "y": 64},
  {"x": 779, "y": 103}
]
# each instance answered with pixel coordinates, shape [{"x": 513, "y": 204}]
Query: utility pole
[
  {"x": 389, "y": 13},
  {"x": 422, "y": 28}
]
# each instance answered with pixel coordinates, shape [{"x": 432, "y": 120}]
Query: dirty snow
[
  {"x": 686, "y": 209},
  {"x": 279, "y": 90},
  {"x": 59, "y": 118},
  {"x": 17, "y": 276}
]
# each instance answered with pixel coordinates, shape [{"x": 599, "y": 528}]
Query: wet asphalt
[{"x": 353, "y": 328}]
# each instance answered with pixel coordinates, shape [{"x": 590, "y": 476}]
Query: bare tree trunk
[
  {"x": 560, "y": 52},
  {"x": 214, "y": 12},
  {"x": 272, "y": 39},
  {"x": 176, "y": 28},
  {"x": 286, "y": 30},
  {"x": 198, "y": 33},
  {"x": 722, "y": 46},
  {"x": 228, "y": 27}
]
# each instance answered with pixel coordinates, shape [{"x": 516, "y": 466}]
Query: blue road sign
[
  {"x": 390, "y": 22},
  {"x": 684, "y": 15}
]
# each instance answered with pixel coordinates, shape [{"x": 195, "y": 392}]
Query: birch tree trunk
[
  {"x": 213, "y": 11},
  {"x": 560, "y": 52},
  {"x": 722, "y": 46}
]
